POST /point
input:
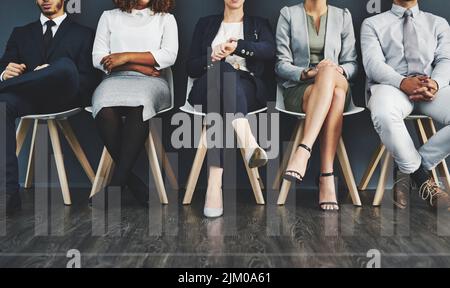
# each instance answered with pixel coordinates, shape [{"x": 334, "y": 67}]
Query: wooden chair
[
  {"x": 153, "y": 146},
  {"x": 295, "y": 141},
  {"x": 253, "y": 174},
  {"x": 425, "y": 129},
  {"x": 53, "y": 121}
]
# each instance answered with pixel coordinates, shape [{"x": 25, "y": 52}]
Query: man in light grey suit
[{"x": 406, "y": 55}]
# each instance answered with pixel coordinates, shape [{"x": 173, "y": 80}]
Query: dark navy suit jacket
[
  {"x": 258, "y": 46},
  {"x": 72, "y": 41}
]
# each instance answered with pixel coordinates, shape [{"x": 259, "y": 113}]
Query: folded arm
[{"x": 144, "y": 69}]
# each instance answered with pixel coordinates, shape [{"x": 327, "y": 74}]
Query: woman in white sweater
[{"x": 133, "y": 44}]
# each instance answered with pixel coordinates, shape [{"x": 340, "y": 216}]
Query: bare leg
[
  {"x": 329, "y": 139},
  {"x": 317, "y": 102}
]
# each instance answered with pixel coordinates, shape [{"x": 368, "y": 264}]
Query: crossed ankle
[{"x": 421, "y": 175}]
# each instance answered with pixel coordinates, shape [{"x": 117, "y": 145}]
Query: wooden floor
[{"x": 297, "y": 235}]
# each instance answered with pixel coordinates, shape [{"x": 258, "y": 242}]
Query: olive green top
[{"x": 317, "y": 40}]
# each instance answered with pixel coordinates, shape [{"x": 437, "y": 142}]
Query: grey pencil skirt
[{"x": 132, "y": 89}]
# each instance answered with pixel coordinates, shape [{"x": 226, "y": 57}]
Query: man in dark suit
[{"x": 46, "y": 68}]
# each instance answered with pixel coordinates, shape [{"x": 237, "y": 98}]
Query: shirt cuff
[
  {"x": 1, "y": 76},
  {"x": 441, "y": 83},
  {"x": 396, "y": 81},
  {"x": 160, "y": 59}
]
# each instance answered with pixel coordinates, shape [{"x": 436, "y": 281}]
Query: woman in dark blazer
[{"x": 239, "y": 46}]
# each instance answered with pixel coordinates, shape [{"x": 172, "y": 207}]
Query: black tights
[{"x": 124, "y": 140}]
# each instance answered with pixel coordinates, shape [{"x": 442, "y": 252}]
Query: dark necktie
[
  {"x": 48, "y": 35},
  {"x": 411, "y": 45}
]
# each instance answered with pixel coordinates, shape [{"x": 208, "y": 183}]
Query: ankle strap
[
  {"x": 305, "y": 147},
  {"x": 327, "y": 174}
]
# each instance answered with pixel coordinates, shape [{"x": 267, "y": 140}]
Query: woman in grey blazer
[{"x": 316, "y": 57}]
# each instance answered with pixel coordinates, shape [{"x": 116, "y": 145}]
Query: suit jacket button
[
  {"x": 251, "y": 54},
  {"x": 243, "y": 51}
]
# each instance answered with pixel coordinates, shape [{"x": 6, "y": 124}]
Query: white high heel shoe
[{"x": 213, "y": 212}]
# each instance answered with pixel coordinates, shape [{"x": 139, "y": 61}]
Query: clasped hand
[
  {"x": 419, "y": 88},
  {"x": 324, "y": 63}
]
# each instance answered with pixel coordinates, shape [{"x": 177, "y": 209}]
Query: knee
[
  {"x": 66, "y": 71},
  {"x": 385, "y": 118},
  {"x": 327, "y": 72},
  {"x": 64, "y": 63}
]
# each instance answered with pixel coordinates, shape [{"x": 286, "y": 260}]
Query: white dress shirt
[
  {"x": 138, "y": 31},
  {"x": 227, "y": 31},
  {"x": 58, "y": 20},
  {"x": 383, "y": 51}
]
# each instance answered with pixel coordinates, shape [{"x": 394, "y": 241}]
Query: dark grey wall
[{"x": 360, "y": 137}]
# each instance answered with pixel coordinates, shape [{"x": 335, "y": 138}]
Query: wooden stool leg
[
  {"x": 109, "y": 174},
  {"x": 53, "y": 130},
  {"x": 423, "y": 138},
  {"x": 348, "y": 173},
  {"x": 260, "y": 180},
  {"x": 165, "y": 160},
  {"x": 286, "y": 185},
  {"x": 372, "y": 167},
  {"x": 30, "y": 167},
  {"x": 387, "y": 162},
  {"x": 103, "y": 173},
  {"x": 21, "y": 133},
  {"x": 284, "y": 162},
  {"x": 196, "y": 168},
  {"x": 253, "y": 175},
  {"x": 156, "y": 170},
  {"x": 76, "y": 148}
]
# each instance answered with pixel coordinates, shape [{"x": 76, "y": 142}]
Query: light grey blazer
[{"x": 293, "y": 53}]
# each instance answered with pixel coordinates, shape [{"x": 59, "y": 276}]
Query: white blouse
[
  {"x": 227, "y": 31},
  {"x": 138, "y": 31}
]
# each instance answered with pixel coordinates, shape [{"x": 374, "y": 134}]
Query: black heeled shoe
[
  {"x": 321, "y": 204},
  {"x": 292, "y": 178}
]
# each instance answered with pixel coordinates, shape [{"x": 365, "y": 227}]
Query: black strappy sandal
[
  {"x": 299, "y": 178},
  {"x": 321, "y": 204}
]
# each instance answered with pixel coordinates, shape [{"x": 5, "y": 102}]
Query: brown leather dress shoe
[
  {"x": 402, "y": 188},
  {"x": 435, "y": 196}
]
